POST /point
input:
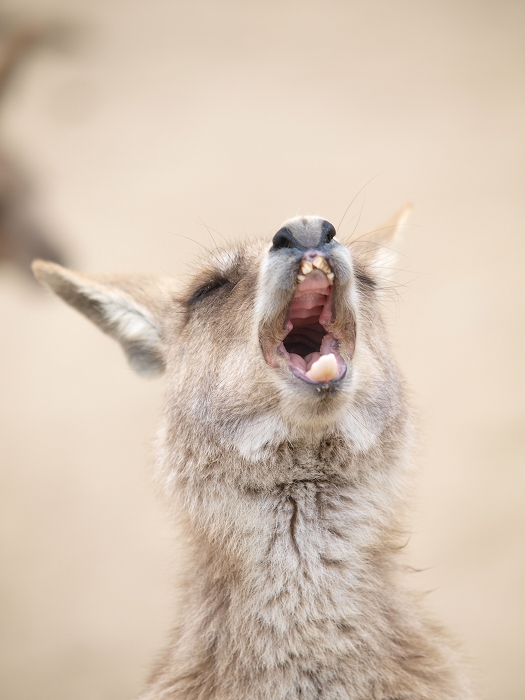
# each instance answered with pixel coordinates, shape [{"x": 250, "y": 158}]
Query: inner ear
[{"x": 129, "y": 308}]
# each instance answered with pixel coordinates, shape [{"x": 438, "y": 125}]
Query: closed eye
[{"x": 208, "y": 289}]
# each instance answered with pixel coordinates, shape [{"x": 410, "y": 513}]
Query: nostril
[
  {"x": 328, "y": 232},
  {"x": 284, "y": 239},
  {"x": 304, "y": 234}
]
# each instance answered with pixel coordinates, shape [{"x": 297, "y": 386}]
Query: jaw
[{"x": 309, "y": 340}]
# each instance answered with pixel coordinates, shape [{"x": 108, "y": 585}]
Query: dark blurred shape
[{"x": 22, "y": 237}]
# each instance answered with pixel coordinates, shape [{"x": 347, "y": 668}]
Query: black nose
[{"x": 304, "y": 234}]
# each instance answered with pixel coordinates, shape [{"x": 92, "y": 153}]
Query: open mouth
[{"x": 310, "y": 349}]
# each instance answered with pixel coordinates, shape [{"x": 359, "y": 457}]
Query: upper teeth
[{"x": 319, "y": 263}]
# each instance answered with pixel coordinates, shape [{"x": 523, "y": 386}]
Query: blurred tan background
[{"x": 239, "y": 115}]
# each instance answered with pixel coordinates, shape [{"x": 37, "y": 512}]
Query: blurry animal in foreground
[
  {"x": 22, "y": 238},
  {"x": 284, "y": 455}
]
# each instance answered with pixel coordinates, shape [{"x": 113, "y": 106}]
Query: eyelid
[{"x": 207, "y": 288}]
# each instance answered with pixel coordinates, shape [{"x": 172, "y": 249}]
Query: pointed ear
[
  {"x": 130, "y": 308},
  {"x": 376, "y": 246}
]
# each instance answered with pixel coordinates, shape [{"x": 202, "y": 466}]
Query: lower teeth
[{"x": 324, "y": 369}]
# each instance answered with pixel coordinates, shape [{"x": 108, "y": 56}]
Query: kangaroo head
[{"x": 270, "y": 340}]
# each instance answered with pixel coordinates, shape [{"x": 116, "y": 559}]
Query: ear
[
  {"x": 130, "y": 308},
  {"x": 375, "y": 247}
]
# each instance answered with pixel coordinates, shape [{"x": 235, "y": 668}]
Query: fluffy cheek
[{"x": 213, "y": 362}]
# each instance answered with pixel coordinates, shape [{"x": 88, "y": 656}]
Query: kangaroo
[{"x": 284, "y": 454}]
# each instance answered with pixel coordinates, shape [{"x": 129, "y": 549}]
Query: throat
[{"x": 311, "y": 537}]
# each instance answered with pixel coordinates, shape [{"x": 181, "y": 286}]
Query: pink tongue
[
  {"x": 304, "y": 364},
  {"x": 311, "y": 358},
  {"x": 297, "y": 362}
]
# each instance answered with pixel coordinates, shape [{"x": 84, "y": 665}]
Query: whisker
[
  {"x": 359, "y": 217},
  {"x": 210, "y": 252},
  {"x": 217, "y": 248},
  {"x": 215, "y": 231},
  {"x": 357, "y": 195},
  {"x": 170, "y": 274}
]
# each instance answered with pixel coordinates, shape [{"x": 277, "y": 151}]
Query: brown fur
[{"x": 291, "y": 497}]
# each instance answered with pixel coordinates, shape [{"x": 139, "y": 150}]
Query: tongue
[{"x": 324, "y": 369}]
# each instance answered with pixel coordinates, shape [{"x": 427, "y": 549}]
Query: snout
[
  {"x": 304, "y": 234},
  {"x": 303, "y": 337}
]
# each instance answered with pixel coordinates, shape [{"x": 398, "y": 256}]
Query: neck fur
[{"x": 299, "y": 564}]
